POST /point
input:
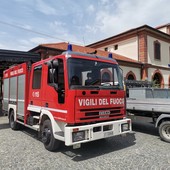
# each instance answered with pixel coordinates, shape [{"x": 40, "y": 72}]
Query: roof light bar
[
  {"x": 110, "y": 55},
  {"x": 69, "y": 48}
]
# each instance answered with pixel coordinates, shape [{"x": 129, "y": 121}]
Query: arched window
[
  {"x": 157, "y": 79},
  {"x": 157, "y": 50},
  {"x": 106, "y": 77},
  {"x": 130, "y": 76}
]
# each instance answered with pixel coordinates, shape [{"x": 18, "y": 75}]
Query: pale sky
[{"x": 76, "y": 21}]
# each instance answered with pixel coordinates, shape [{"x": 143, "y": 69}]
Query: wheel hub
[
  {"x": 167, "y": 131},
  {"x": 46, "y": 135}
]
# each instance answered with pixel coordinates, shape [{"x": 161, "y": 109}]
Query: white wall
[
  {"x": 163, "y": 29},
  {"x": 165, "y": 56},
  {"x": 128, "y": 48},
  {"x": 136, "y": 71}
]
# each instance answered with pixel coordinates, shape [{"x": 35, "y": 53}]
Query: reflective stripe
[
  {"x": 30, "y": 107},
  {"x": 5, "y": 98},
  {"x": 21, "y": 100},
  {"x": 13, "y": 99}
]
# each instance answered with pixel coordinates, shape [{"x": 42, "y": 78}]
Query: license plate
[{"x": 108, "y": 134}]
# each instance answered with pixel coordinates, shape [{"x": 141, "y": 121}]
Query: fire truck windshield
[{"x": 86, "y": 74}]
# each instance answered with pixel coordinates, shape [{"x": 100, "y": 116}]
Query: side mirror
[
  {"x": 55, "y": 86},
  {"x": 55, "y": 63},
  {"x": 52, "y": 63},
  {"x": 57, "y": 89},
  {"x": 49, "y": 63}
]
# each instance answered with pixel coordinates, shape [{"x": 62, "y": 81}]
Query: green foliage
[{"x": 156, "y": 84}]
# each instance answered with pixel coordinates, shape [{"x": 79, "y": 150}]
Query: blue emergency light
[
  {"x": 110, "y": 55},
  {"x": 69, "y": 48}
]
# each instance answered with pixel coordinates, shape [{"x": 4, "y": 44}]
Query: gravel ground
[{"x": 142, "y": 149}]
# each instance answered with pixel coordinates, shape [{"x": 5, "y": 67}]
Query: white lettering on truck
[
  {"x": 87, "y": 102},
  {"x": 102, "y": 101},
  {"x": 36, "y": 94},
  {"x": 15, "y": 72},
  {"x": 6, "y": 75}
]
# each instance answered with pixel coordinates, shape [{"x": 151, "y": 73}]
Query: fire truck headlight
[
  {"x": 125, "y": 127},
  {"x": 78, "y": 136}
]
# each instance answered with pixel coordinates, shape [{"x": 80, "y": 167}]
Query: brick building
[{"x": 146, "y": 45}]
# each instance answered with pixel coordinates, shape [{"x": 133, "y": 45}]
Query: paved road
[{"x": 141, "y": 149}]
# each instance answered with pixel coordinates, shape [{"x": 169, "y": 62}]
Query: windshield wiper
[
  {"x": 107, "y": 84},
  {"x": 92, "y": 86},
  {"x": 110, "y": 87},
  {"x": 94, "y": 82},
  {"x": 84, "y": 87}
]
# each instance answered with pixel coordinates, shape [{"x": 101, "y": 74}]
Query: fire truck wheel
[
  {"x": 164, "y": 131},
  {"x": 13, "y": 124},
  {"x": 50, "y": 143}
]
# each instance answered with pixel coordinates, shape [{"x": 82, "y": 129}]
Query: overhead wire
[{"x": 35, "y": 32}]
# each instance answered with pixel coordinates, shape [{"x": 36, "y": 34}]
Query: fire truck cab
[{"x": 73, "y": 97}]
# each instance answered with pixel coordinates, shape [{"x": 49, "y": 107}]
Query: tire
[
  {"x": 12, "y": 123},
  {"x": 50, "y": 143},
  {"x": 164, "y": 131}
]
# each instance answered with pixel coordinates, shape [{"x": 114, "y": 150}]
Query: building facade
[{"x": 146, "y": 45}]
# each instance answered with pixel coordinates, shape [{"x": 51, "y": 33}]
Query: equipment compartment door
[
  {"x": 6, "y": 94},
  {"x": 21, "y": 95}
]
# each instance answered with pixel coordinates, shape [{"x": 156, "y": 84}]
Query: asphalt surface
[{"x": 142, "y": 149}]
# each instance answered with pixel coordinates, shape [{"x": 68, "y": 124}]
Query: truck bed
[{"x": 149, "y": 104}]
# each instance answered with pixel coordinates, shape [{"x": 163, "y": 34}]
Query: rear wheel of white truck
[
  {"x": 164, "y": 131},
  {"x": 50, "y": 143},
  {"x": 13, "y": 124}
]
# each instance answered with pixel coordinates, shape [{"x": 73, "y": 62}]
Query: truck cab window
[{"x": 37, "y": 77}]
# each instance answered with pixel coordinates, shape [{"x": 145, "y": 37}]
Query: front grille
[
  {"x": 90, "y": 114},
  {"x": 97, "y": 113}
]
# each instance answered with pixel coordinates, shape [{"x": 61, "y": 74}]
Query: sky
[{"x": 24, "y": 24}]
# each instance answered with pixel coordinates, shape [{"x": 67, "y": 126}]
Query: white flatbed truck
[{"x": 154, "y": 103}]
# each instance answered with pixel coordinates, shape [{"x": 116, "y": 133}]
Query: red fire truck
[{"x": 73, "y": 97}]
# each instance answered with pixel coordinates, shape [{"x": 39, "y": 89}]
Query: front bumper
[{"x": 96, "y": 131}]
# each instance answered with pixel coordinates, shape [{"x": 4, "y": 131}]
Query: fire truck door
[
  {"x": 36, "y": 87},
  {"x": 54, "y": 85}
]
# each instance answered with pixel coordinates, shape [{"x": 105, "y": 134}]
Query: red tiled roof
[{"x": 78, "y": 48}]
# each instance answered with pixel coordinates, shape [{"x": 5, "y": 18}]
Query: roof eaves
[
  {"x": 43, "y": 46},
  {"x": 130, "y": 32}
]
